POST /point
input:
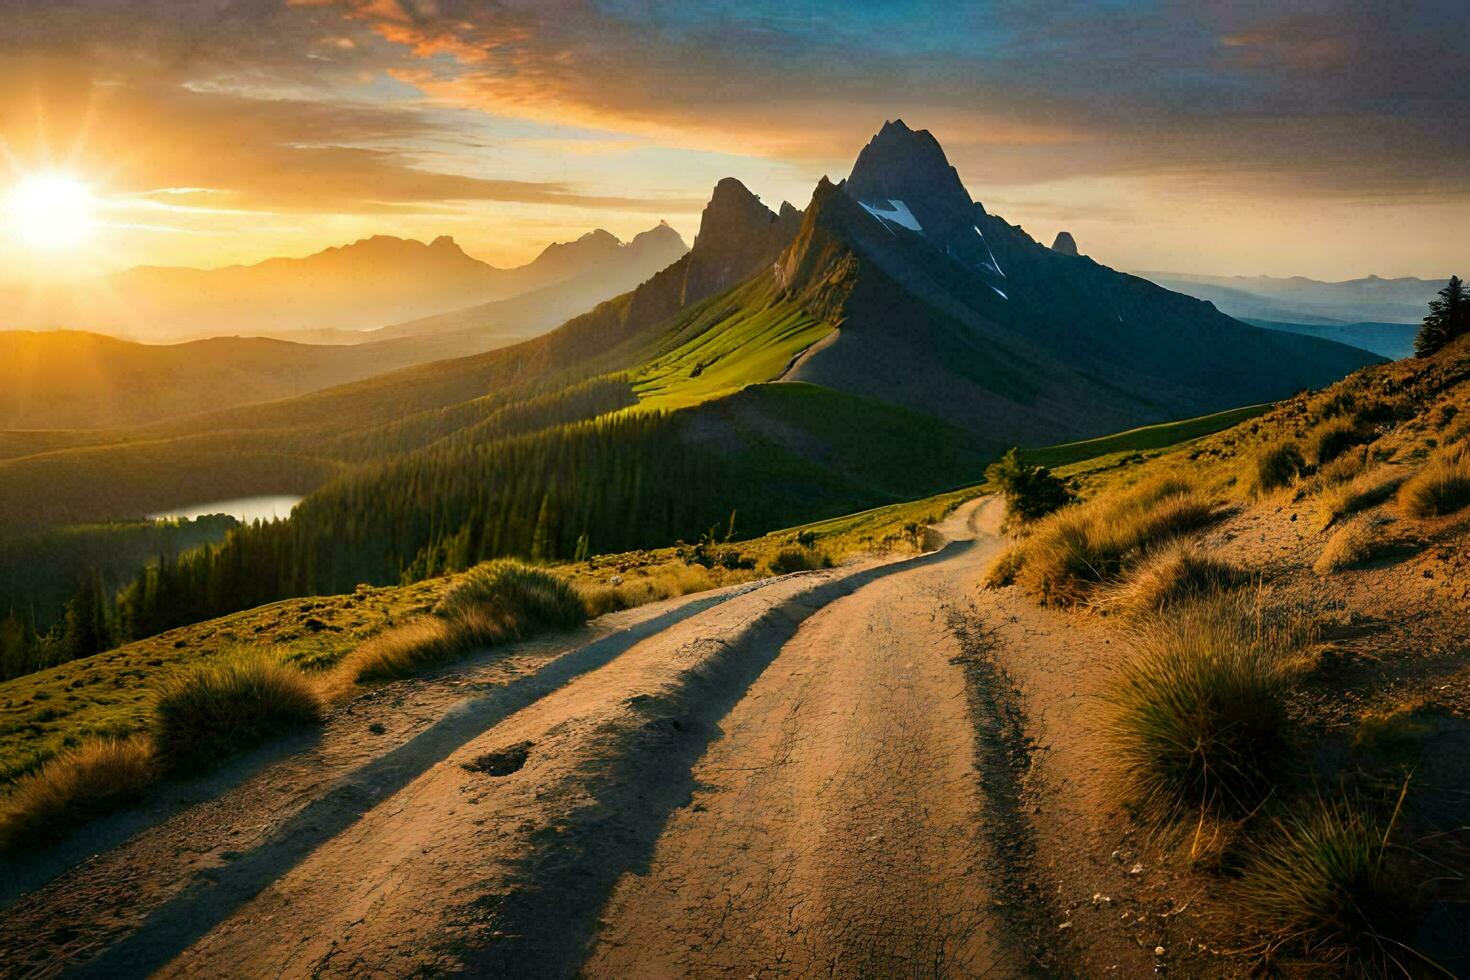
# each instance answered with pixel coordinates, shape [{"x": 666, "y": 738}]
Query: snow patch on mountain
[{"x": 898, "y": 213}]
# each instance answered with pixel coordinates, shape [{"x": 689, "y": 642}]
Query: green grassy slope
[
  {"x": 749, "y": 346},
  {"x": 108, "y": 694},
  {"x": 1143, "y": 438}
]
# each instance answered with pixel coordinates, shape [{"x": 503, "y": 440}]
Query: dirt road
[
  {"x": 820, "y": 775},
  {"x": 836, "y": 829}
]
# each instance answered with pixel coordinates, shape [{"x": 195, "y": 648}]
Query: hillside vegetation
[{"x": 1288, "y": 715}]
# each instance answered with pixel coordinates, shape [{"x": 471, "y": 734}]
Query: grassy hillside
[
  {"x": 110, "y": 693},
  {"x": 1286, "y": 718},
  {"x": 747, "y": 347},
  {"x": 1142, "y": 439}
]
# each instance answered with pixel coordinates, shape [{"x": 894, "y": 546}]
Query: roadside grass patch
[
  {"x": 1441, "y": 487},
  {"x": 1326, "y": 884},
  {"x": 1178, "y": 571},
  {"x": 96, "y": 777},
  {"x": 497, "y": 602},
  {"x": 1196, "y": 717},
  {"x": 637, "y": 589},
  {"x": 1354, "y": 542},
  {"x": 529, "y": 598},
  {"x": 1081, "y": 546},
  {"x": 233, "y": 703},
  {"x": 1273, "y": 467},
  {"x": 797, "y": 558},
  {"x": 1003, "y": 571}
]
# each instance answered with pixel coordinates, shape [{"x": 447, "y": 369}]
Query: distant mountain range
[
  {"x": 1308, "y": 301},
  {"x": 335, "y": 293},
  {"x": 885, "y": 342}
]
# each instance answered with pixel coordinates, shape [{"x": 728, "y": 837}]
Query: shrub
[
  {"x": 1078, "y": 547},
  {"x": 96, "y": 777},
  {"x": 1441, "y": 487},
  {"x": 796, "y": 558},
  {"x": 1331, "y": 439},
  {"x": 1178, "y": 571},
  {"x": 1197, "y": 715},
  {"x": 1030, "y": 492},
  {"x": 1354, "y": 542},
  {"x": 526, "y": 598},
  {"x": 1273, "y": 467},
  {"x": 1328, "y": 884},
  {"x": 226, "y": 706}
]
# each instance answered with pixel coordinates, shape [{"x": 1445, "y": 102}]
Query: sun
[{"x": 51, "y": 211}]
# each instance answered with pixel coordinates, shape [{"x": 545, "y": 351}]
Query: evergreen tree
[
  {"x": 1448, "y": 318},
  {"x": 86, "y": 631}
]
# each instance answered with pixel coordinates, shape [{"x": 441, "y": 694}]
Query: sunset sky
[{"x": 1221, "y": 137}]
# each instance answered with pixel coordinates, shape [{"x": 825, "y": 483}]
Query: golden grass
[
  {"x": 1079, "y": 547},
  {"x": 227, "y": 705},
  {"x": 1352, "y": 543},
  {"x": 1329, "y": 440},
  {"x": 95, "y": 777},
  {"x": 1272, "y": 467},
  {"x": 1361, "y": 492},
  {"x": 1175, "y": 572},
  {"x": 1196, "y": 717},
  {"x": 638, "y": 589},
  {"x": 797, "y": 558},
  {"x": 1441, "y": 487},
  {"x": 496, "y": 602},
  {"x": 1002, "y": 572}
]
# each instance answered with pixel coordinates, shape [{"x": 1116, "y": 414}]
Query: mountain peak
[
  {"x": 900, "y": 164},
  {"x": 1065, "y": 243},
  {"x": 737, "y": 236},
  {"x": 600, "y": 236},
  {"x": 660, "y": 235}
]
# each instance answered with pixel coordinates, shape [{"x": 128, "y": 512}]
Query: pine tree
[{"x": 1448, "y": 318}]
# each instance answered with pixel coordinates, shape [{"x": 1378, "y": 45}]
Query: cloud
[{"x": 1020, "y": 91}]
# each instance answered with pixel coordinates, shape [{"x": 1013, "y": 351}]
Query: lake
[{"x": 245, "y": 509}]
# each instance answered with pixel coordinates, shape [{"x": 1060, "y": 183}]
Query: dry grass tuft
[
  {"x": 1003, "y": 571},
  {"x": 1441, "y": 487},
  {"x": 528, "y": 598},
  {"x": 96, "y": 777},
  {"x": 1343, "y": 468},
  {"x": 1197, "y": 715},
  {"x": 230, "y": 704},
  {"x": 638, "y": 589},
  {"x": 1176, "y": 572},
  {"x": 1329, "y": 440},
  {"x": 1354, "y": 542},
  {"x": 1273, "y": 467},
  {"x": 494, "y": 603},
  {"x": 797, "y": 558},
  {"x": 1078, "y": 547},
  {"x": 1363, "y": 491},
  {"x": 1328, "y": 885}
]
